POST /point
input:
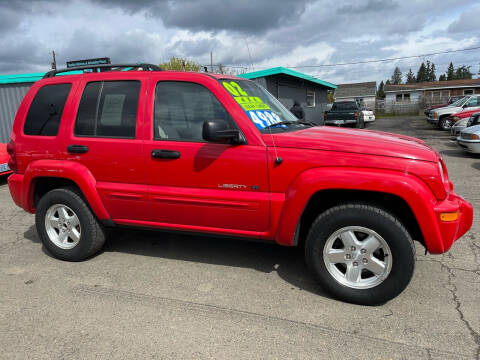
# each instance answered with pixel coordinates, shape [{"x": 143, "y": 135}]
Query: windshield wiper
[{"x": 306, "y": 123}]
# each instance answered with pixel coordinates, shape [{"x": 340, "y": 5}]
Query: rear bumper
[
  {"x": 15, "y": 185},
  {"x": 340, "y": 122},
  {"x": 450, "y": 231}
]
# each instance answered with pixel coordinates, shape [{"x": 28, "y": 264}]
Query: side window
[
  {"x": 310, "y": 98},
  {"x": 108, "y": 109},
  {"x": 181, "y": 109},
  {"x": 472, "y": 102},
  {"x": 45, "y": 112}
]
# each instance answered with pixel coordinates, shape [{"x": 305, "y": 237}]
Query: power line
[
  {"x": 390, "y": 59},
  {"x": 371, "y": 61}
]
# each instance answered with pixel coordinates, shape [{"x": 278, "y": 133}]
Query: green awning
[{"x": 286, "y": 71}]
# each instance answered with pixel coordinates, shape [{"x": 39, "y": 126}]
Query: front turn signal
[{"x": 449, "y": 216}]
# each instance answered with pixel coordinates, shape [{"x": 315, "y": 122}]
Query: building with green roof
[{"x": 288, "y": 85}]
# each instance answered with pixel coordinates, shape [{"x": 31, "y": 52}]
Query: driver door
[{"x": 194, "y": 184}]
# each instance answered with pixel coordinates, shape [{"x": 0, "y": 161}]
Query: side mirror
[{"x": 219, "y": 131}]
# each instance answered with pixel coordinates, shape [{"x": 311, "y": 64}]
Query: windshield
[
  {"x": 459, "y": 102},
  {"x": 261, "y": 107}
]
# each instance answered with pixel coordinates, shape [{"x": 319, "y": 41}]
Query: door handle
[
  {"x": 165, "y": 154},
  {"x": 77, "y": 149}
]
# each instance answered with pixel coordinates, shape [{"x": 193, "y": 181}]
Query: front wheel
[
  {"x": 360, "y": 253},
  {"x": 444, "y": 123}
]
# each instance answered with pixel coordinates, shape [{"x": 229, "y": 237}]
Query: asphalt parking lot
[{"x": 149, "y": 295}]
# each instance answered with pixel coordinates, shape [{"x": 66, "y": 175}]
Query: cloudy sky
[{"x": 251, "y": 34}]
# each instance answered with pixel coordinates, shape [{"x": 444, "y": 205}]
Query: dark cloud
[
  {"x": 130, "y": 47},
  {"x": 214, "y": 15}
]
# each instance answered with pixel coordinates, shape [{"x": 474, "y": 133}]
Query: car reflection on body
[
  {"x": 4, "y": 169},
  {"x": 462, "y": 124}
]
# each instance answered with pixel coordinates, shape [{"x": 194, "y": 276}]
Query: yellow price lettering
[{"x": 234, "y": 89}]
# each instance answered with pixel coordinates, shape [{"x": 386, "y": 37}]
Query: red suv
[{"x": 217, "y": 154}]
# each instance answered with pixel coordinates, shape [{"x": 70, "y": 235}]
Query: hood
[
  {"x": 472, "y": 129},
  {"x": 448, "y": 110},
  {"x": 432, "y": 107},
  {"x": 354, "y": 141}
]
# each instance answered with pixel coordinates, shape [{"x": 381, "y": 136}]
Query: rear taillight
[
  {"x": 12, "y": 162},
  {"x": 356, "y": 115},
  {"x": 324, "y": 116}
]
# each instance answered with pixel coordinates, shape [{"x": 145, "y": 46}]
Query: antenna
[
  {"x": 249, "y": 55},
  {"x": 278, "y": 160}
]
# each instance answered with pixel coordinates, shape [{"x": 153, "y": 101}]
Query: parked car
[
  {"x": 469, "y": 139},
  {"x": 4, "y": 169},
  {"x": 367, "y": 115},
  {"x": 450, "y": 101},
  {"x": 344, "y": 113},
  {"x": 219, "y": 155},
  {"x": 463, "y": 123},
  {"x": 441, "y": 116}
]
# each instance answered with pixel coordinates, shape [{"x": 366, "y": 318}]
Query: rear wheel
[
  {"x": 360, "y": 253},
  {"x": 67, "y": 226}
]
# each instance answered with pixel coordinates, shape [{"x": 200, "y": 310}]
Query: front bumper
[
  {"x": 432, "y": 120},
  {"x": 450, "y": 231},
  {"x": 472, "y": 146},
  {"x": 456, "y": 130}
]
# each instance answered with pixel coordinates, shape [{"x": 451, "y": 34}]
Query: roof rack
[{"x": 106, "y": 67}]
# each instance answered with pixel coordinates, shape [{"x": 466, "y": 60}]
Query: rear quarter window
[{"x": 45, "y": 112}]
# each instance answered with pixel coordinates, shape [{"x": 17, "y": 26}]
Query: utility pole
[
  {"x": 211, "y": 61},
  {"x": 54, "y": 61}
]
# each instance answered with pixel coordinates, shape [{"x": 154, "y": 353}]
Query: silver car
[
  {"x": 474, "y": 119},
  {"x": 469, "y": 139}
]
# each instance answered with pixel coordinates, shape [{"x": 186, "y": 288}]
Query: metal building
[
  {"x": 12, "y": 90},
  {"x": 288, "y": 85}
]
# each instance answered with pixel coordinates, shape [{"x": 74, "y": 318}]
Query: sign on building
[{"x": 88, "y": 62}]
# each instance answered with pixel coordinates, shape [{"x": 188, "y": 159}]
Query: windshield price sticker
[
  {"x": 251, "y": 103},
  {"x": 264, "y": 118},
  {"x": 241, "y": 97}
]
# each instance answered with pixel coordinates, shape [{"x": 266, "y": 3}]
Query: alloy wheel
[{"x": 357, "y": 257}]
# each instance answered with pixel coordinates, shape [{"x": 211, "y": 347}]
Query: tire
[
  {"x": 397, "y": 253},
  {"x": 67, "y": 227},
  {"x": 444, "y": 124}
]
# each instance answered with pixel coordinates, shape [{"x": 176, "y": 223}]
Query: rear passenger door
[{"x": 107, "y": 138}]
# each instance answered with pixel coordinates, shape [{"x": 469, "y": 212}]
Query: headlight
[
  {"x": 455, "y": 118},
  {"x": 462, "y": 122},
  {"x": 468, "y": 136},
  {"x": 444, "y": 175}
]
